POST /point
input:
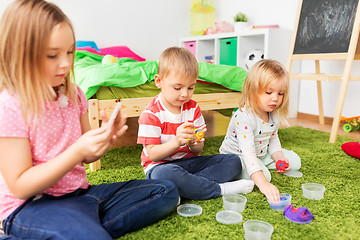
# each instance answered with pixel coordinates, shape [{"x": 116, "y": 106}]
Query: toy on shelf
[
  {"x": 352, "y": 123},
  {"x": 224, "y": 27},
  {"x": 209, "y": 30},
  {"x": 221, "y": 27},
  {"x": 253, "y": 57},
  {"x": 264, "y": 26},
  {"x": 202, "y": 14},
  {"x": 209, "y": 59}
]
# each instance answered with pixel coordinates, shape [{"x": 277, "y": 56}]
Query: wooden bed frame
[{"x": 134, "y": 106}]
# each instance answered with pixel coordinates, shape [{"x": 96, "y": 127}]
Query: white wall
[
  {"x": 150, "y": 26},
  {"x": 146, "y": 26},
  {"x": 259, "y": 12}
]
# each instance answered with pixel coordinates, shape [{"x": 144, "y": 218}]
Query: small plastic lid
[
  {"x": 293, "y": 174},
  {"x": 189, "y": 210},
  {"x": 229, "y": 217}
]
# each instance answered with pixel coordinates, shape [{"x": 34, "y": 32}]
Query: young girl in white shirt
[{"x": 253, "y": 129}]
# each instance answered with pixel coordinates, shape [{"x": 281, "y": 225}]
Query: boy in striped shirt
[{"x": 166, "y": 132}]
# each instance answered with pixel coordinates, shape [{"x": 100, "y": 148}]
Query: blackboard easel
[{"x": 327, "y": 30}]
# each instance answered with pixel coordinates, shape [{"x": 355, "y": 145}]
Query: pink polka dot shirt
[{"x": 55, "y": 130}]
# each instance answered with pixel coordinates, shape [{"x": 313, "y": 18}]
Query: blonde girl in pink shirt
[{"x": 45, "y": 138}]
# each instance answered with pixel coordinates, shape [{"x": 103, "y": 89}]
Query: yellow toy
[{"x": 198, "y": 135}]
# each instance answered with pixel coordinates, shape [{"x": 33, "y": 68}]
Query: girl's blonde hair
[
  {"x": 256, "y": 82},
  {"x": 25, "y": 28},
  {"x": 180, "y": 60}
]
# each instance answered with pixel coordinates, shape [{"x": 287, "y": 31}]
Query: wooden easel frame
[{"x": 349, "y": 57}]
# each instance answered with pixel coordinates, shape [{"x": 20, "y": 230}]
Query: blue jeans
[
  {"x": 198, "y": 177},
  {"x": 103, "y": 211}
]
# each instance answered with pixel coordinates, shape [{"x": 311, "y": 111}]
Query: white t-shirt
[{"x": 251, "y": 138}]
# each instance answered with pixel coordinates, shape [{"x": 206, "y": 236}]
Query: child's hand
[
  {"x": 277, "y": 156},
  {"x": 270, "y": 191},
  {"x": 197, "y": 145},
  {"x": 184, "y": 132},
  {"x": 93, "y": 144},
  {"x": 203, "y": 129},
  {"x": 282, "y": 166},
  {"x": 118, "y": 128}
]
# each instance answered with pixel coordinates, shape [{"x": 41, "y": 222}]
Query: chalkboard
[{"x": 325, "y": 26}]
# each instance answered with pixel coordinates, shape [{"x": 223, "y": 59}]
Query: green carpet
[{"x": 337, "y": 215}]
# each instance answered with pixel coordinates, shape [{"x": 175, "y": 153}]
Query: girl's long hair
[
  {"x": 258, "y": 79},
  {"x": 25, "y": 28}
]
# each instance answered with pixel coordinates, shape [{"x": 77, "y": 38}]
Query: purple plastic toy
[{"x": 300, "y": 215}]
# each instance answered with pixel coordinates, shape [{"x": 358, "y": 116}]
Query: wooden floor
[
  {"x": 217, "y": 125},
  {"x": 310, "y": 121}
]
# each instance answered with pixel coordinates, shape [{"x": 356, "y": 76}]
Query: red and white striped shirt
[{"x": 157, "y": 125}]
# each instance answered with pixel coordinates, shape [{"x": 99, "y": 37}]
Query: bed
[{"x": 130, "y": 81}]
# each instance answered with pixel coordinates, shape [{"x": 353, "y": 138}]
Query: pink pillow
[
  {"x": 121, "y": 51},
  {"x": 89, "y": 49},
  {"x": 117, "y": 51}
]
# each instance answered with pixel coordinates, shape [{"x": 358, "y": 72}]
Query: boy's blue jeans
[
  {"x": 103, "y": 211},
  {"x": 198, "y": 177}
]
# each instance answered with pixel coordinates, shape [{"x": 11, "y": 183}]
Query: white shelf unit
[{"x": 274, "y": 42}]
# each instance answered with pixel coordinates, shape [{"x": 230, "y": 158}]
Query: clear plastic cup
[
  {"x": 285, "y": 199},
  {"x": 257, "y": 230},
  {"x": 313, "y": 191},
  {"x": 234, "y": 202}
]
